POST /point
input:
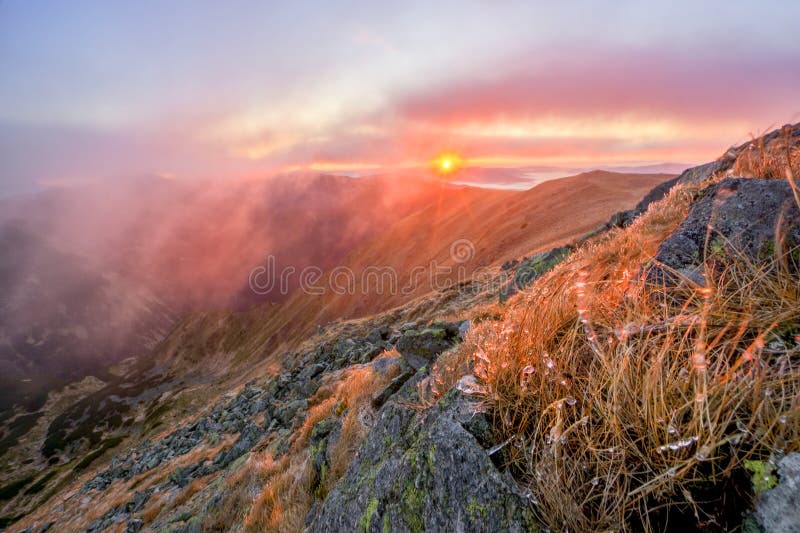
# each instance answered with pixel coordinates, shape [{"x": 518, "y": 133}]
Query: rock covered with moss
[
  {"x": 776, "y": 508},
  {"x": 737, "y": 218},
  {"x": 420, "y": 346},
  {"x": 425, "y": 471}
]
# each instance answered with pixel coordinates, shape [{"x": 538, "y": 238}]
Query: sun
[{"x": 447, "y": 163}]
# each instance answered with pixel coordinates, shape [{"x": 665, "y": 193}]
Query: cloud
[
  {"x": 562, "y": 105},
  {"x": 556, "y": 105},
  {"x": 692, "y": 87}
]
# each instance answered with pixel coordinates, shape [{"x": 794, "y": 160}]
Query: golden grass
[
  {"x": 269, "y": 494},
  {"x": 777, "y": 159},
  {"x": 623, "y": 408},
  {"x": 154, "y": 507}
]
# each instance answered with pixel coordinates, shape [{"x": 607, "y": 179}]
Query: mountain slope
[{"x": 213, "y": 352}]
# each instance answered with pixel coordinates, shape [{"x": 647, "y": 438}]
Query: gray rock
[
  {"x": 777, "y": 509},
  {"x": 421, "y": 346},
  {"x": 693, "y": 275},
  {"x": 738, "y": 217},
  {"x": 381, "y": 397},
  {"x": 248, "y": 438},
  {"x": 289, "y": 410},
  {"x": 378, "y": 334},
  {"x": 310, "y": 372},
  {"x": 463, "y": 328},
  {"x": 385, "y": 364},
  {"x": 134, "y": 525},
  {"x": 703, "y": 172},
  {"x": 424, "y": 473},
  {"x": 323, "y": 436}
]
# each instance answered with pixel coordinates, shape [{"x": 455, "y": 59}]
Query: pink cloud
[
  {"x": 693, "y": 87},
  {"x": 605, "y": 106}
]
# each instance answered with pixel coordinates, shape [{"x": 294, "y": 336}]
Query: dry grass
[
  {"x": 286, "y": 497},
  {"x": 154, "y": 507},
  {"x": 778, "y": 159},
  {"x": 623, "y": 409},
  {"x": 270, "y": 494},
  {"x": 190, "y": 490}
]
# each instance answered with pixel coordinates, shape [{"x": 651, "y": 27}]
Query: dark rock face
[
  {"x": 406, "y": 372},
  {"x": 532, "y": 268},
  {"x": 701, "y": 173},
  {"x": 323, "y": 436},
  {"x": 421, "y": 346},
  {"x": 424, "y": 473},
  {"x": 734, "y": 218},
  {"x": 696, "y": 174}
]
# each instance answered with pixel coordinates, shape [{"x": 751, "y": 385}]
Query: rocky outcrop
[
  {"x": 735, "y": 218},
  {"x": 425, "y": 472},
  {"x": 419, "y": 347}
]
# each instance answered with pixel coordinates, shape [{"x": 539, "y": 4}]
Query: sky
[{"x": 99, "y": 90}]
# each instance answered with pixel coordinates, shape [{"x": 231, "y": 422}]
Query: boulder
[
  {"x": 424, "y": 472},
  {"x": 384, "y": 365},
  {"x": 289, "y": 410},
  {"x": 737, "y": 217},
  {"x": 377, "y": 335},
  {"x": 381, "y": 397},
  {"x": 248, "y": 438},
  {"x": 419, "y": 347},
  {"x": 703, "y": 172}
]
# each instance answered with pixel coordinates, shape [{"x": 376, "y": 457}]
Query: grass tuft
[{"x": 626, "y": 410}]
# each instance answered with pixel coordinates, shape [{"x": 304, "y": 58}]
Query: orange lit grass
[
  {"x": 593, "y": 377},
  {"x": 287, "y": 486}
]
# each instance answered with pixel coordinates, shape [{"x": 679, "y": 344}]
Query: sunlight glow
[{"x": 447, "y": 163}]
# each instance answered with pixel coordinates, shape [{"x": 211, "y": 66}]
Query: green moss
[
  {"x": 763, "y": 475},
  {"x": 477, "y": 511},
  {"x": 319, "y": 492},
  {"x": 369, "y": 512},
  {"x": 717, "y": 247},
  {"x": 412, "y": 505},
  {"x": 438, "y": 333},
  {"x": 387, "y": 526},
  {"x": 431, "y": 456},
  {"x": 767, "y": 250}
]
